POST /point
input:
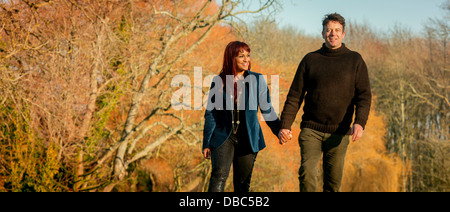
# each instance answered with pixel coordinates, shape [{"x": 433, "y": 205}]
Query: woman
[{"x": 232, "y": 134}]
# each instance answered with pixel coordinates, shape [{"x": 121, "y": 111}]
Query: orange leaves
[
  {"x": 369, "y": 167},
  {"x": 276, "y": 167}
]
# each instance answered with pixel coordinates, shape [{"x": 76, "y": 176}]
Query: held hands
[{"x": 284, "y": 135}]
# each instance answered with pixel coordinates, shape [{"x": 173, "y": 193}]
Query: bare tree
[
  {"x": 71, "y": 64},
  {"x": 162, "y": 64}
]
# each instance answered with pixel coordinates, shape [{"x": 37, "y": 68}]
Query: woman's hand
[{"x": 207, "y": 153}]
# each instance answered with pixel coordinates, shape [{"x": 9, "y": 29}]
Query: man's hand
[
  {"x": 284, "y": 135},
  {"x": 357, "y": 132}
]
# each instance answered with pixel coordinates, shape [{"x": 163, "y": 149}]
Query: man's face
[{"x": 333, "y": 34}]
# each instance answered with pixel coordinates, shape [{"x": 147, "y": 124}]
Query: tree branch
[{"x": 155, "y": 144}]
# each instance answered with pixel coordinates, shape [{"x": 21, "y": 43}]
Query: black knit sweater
[{"x": 334, "y": 84}]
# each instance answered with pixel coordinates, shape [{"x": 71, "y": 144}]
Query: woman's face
[{"x": 243, "y": 61}]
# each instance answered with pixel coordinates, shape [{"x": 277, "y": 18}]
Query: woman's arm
[
  {"x": 210, "y": 122},
  {"x": 266, "y": 108}
]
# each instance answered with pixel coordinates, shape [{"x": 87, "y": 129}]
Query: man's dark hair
[{"x": 334, "y": 17}]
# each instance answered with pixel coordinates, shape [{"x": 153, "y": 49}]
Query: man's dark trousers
[{"x": 334, "y": 147}]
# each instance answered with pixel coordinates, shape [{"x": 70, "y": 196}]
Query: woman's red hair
[{"x": 229, "y": 62}]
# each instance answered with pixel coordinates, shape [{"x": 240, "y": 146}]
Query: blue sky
[{"x": 381, "y": 15}]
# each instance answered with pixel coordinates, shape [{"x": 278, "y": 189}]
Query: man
[{"x": 334, "y": 83}]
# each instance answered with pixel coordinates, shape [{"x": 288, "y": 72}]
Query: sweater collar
[{"x": 334, "y": 52}]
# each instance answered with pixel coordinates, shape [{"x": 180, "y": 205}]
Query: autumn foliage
[{"x": 85, "y": 98}]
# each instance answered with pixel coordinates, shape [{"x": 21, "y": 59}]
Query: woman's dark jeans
[{"x": 237, "y": 151}]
